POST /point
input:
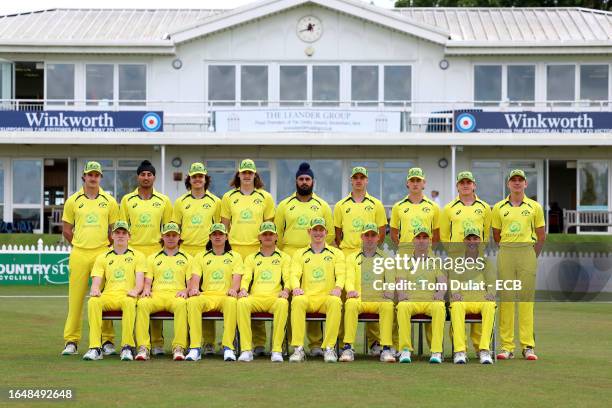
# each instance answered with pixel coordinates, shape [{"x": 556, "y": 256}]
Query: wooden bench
[{"x": 576, "y": 218}]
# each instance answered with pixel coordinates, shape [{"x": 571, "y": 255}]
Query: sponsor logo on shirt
[
  {"x": 168, "y": 275},
  {"x": 515, "y": 227},
  {"x": 196, "y": 219},
  {"x": 266, "y": 276},
  {"x": 246, "y": 215},
  {"x": 91, "y": 218},
  {"x": 302, "y": 220},
  {"x": 119, "y": 274},
  {"x": 217, "y": 275},
  {"x": 144, "y": 219},
  {"x": 317, "y": 274}
]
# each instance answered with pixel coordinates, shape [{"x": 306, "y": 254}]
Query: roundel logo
[
  {"x": 196, "y": 219},
  {"x": 246, "y": 214},
  {"x": 317, "y": 274},
  {"x": 168, "y": 274},
  {"x": 151, "y": 122},
  {"x": 466, "y": 122},
  {"x": 302, "y": 220},
  {"x": 144, "y": 218},
  {"x": 515, "y": 226},
  {"x": 119, "y": 274},
  {"x": 266, "y": 275},
  {"x": 217, "y": 275}
]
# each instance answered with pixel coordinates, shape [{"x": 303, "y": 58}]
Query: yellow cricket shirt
[
  {"x": 266, "y": 275},
  {"x": 293, "y": 220},
  {"x": 90, "y": 218},
  {"x": 195, "y": 216},
  {"x": 119, "y": 271},
  {"x": 318, "y": 274},
  {"x": 246, "y": 213},
  {"x": 406, "y": 215},
  {"x": 145, "y": 217},
  {"x": 518, "y": 224},
  {"x": 351, "y": 217},
  {"x": 456, "y": 217},
  {"x": 216, "y": 271},
  {"x": 360, "y": 275},
  {"x": 169, "y": 273}
]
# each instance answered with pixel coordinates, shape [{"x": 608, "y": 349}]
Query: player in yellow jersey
[
  {"x": 195, "y": 211},
  {"x": 350, "y": 215},
  {"x": 146, "y": 210},
  {"x": 243, "y": 209},
  {"x": 362, "y": 297},
  {"x": 317, "y": 278},
  {"x": 122, "y": 269},
  {"x": 264, "y": 288},
  {"x": 465, "y": 211},
  {"x": 88, "y": 216},
  {"x": 292, "y": 219},
  {"x": 422, "y": 297},
  {"x": 474, "y": 293},
  {"x": 165, "y": 289},
  {"x": 213, "y": 286},
  {"x": 519, "y": 229}
]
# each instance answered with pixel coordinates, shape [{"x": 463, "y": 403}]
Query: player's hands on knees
[
  {"x": 193, "y": 292},
  {"x": 456, "y": 297},
  {"x": 232, "y": 292},
  {"x": 182, "y": 294},
  {"x": 352, "y": 294},
  {"x": 243, "y": 293},
  {"x": 438, "y": 296},
  {"x": 133, "y": 293},
  {"x": 490, "y": 297},
  {"x": 388, "y": 294},
  {"x": 95, "y": 292},
  {"x": 283, "y": 294},
  {"x": 146, "y": 292},
  {"x": 298, "y": 292},
  {"x": 401, "y": 296},
  {"x": 336, "y": 292}
]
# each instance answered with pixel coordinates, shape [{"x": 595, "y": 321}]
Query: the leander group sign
[
  {"x": 74, "y": 121},
  {"x": 533, "y": 122},
  {"x": 306, "y": 120}
]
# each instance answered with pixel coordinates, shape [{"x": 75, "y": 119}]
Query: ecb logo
[
  {"x": 119, "y": 274},
  {"x": 145, "y": 218},
  {"x": 217, "y": 275},
  {"x": 196, "y": 219},
  {"x": 515, "y": 227},
  {"x": 466, "y": 123},
  {"x": 266, "y": 275},
  {"x": 91, "y": 218},
  {"x": 317, "y": 274},
  {"x": 246, "y": 214}
]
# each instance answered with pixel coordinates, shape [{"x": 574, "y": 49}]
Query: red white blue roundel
[
  {"x": 466, "y": 122},
  {"x": 151, "y": 122}
]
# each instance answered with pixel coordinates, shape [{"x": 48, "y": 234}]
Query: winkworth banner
[
  {"x": 533, "y": 122},
  {"x": 34, "y": 269},
  {"x": 73, "y": 121}
]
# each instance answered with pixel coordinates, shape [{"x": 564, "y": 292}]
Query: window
[
  {"x": 521, "y": 83},
  {"x": 531, "y": 172},
  {"x": 99, "y": 80},
  {"x": 293, "y": 85},
  {"x": 6, "y": 76},
  {"x": 560, "y": 82},
  {"x": 386, "y": 179},
  {"x": 364, "y": 84},
  {"x": 328, "y": 178},
  {"x": 325, "y": 85},
  {"x": 254, "y": 85},
  {"x": 487, "y": 84},
  {"x": 132, "y": 84},
  {"x": 398, "y": 84},
  {"x": 222, "y": 84},
  {"x": 594, "y": 82},
  {"x": 489, "y": 180},
  {"x": 60, "y": 81},
  {"x": 593, "y": 185},
  {"x": 27, "y": 192},
  {"x": 1, "y": 190},
  {"x": 119, "y": 176}
]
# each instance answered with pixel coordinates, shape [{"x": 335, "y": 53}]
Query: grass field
[{"x": 575, "y": 369}]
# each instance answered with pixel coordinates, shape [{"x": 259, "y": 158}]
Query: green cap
[
  {"x": 267, "y": 226},
  {"x": 370, "y": 226},
  {"x": 471, "y": 231},
  {"x": 217, "y": 227},
  {"x": 121, "y": 225},
  {"x": 197, "y": 168},
  {"x": 416, "y": 172},
  {"x": 247, "y": 165},
  {"x": 171, "y": 227},
  {"x": 317, "y": 221},
  {"x": 92, "y": 166},
  {"x": 419, "y": 229},
  {"x": 359, "y": 170},
  {"x": 465, "y": 175},
  {"x": 517, "y": 172}
]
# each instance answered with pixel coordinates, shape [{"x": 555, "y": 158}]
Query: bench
[{"x": 576, "y": 218}]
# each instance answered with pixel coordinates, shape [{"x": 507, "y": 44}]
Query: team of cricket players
[{"x": 239, "y": 255}]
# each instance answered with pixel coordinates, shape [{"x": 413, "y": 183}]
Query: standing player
[
  {"x": 465, "y": 211},
  {"x": 518, "y": 228},
  {"x": 213, "y": 286},
  {"x": 88, "y": 216},
  {"x": 350, "y": 215},
  {"x": 122, "y": 269},
  {"x": 146, "y": 210},
  {"x": 196, "y": 211},
  {"x": 264, "y": 288},
  {"x": 317, "y": 278},
  {"x": 165, "y": 289},
  {"x": 243, "y": 209},
  {"x": 363, "y": 298},
  {"x": 292, "y": 219}
]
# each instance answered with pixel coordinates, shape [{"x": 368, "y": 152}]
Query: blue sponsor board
[
  {"x": 532, "y": 122},
  {"x": 74, "y": 121}
]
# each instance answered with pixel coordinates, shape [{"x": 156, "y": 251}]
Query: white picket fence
[{"x": 39, "y": 248}]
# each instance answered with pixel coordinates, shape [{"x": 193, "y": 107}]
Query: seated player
[
  {"x": 165, "y": 289},
  {"x": 478, "y": 297},
  {"x": 214, "y": 284},
  {"x": 360, "y": 277},
  {"x": 317, "y": 279},
  {"x": 425, "y": 298},
  {"x": 122, "y": 269},
  {"x": 264, "y": 288}
]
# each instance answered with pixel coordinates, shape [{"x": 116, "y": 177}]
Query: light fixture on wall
[
  {"x": 444, "y": 64},
  {"x": 177, "y": 63},
  {"x": 177, "y": 162},
  {"x": 443, "y": 163}
]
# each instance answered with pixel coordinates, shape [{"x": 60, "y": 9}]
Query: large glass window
[
  {"x": 325, "y": 85},
  {"x": 6, "y": 77},
  {"x": 560, "y": 82},
  {"x": 328, "y": 178},
  {"x": 489, "y": 180},
  {"x": 119, "y": 176},
  {"x": 594, "y": 82},
  {"x": 593, "y": 185},
  {"x": 364, "y": 84},
  {"x": 254, "y": 85},
  {"x": 531, "y": 172},
  {"x": 521, "y": 83},
  {"x": 99, "y": 80},
  {"x": 398, "y": 84},
  {"x": 60, "y": 81},
  {"x": 222, "y": 84},
  {"x": 487, "y": 83},
  {"x": 132, "y": 84},
  {"x": 1, "y": 190},
  {"x": 27, "y": 194},
  {"x": 293, "y": 85}
]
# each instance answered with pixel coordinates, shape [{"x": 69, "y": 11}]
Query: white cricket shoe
[
  {"x": 460, "y": 358},
  {"x": 505, "y": 355},
  {"x": 405, "y": 356},
  {"x": 69, "y": 349},
  {"x": 126, "y": 354},
  {"x": 387, "y": 356},
  {"x": 347, "y": 355},
  {"x": 178, "y": 353},
  {"x": 276, "y": 357},
  {"x": 194, "y": 354},
  {"x": 330, "y": 355},
  {"x": 485, "y": 357},
  {"x": 228, "y": 354},
  {"x": 143, "y": 354},
  {"x": 93, "y": 354},
  {"x": 298, "y": 355},
  {"x": 108, "y": 349},
  {"x": 246, "y": 356},
  {"x": 436, "y": 358}
]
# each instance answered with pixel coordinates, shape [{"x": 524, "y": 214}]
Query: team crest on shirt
[
  {"x": 206, "y": 206},
  {"x": 217, "y": 275},
  {"x": 426, "y": 210},
  {"x": 328, "y": 258},
  {"x": 478, "y": 211},
  {"x": 103, "y": 204},
  {"x": 369, "y": 208},
  {"x": 276, "y": 262},
  {"x": 257, "y": 201},
  {"x": 314, "y": 208},
  {"x": 227, "y": 261},
  {"x": 128, "y": 259},
  {"x": 525, "y": 213},
  {"x": 156, "y": 204},
  {"x": 181, "y": 262}
]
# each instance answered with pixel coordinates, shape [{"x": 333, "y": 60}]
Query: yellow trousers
[
  {"x": 328, "y": 304},
  {"x": 278, "y": 306},
  {"x": 435, "y": 309},
  {"x": 353, "y": 307},
  {"x": 106, "y": 302},
  {"x": 80, "y": 265},
  {"x": 197, "y": 305},
  {"x": 161, "y": 301},
  {"x": 519, "y": 263},
  {"x": 157, "y": 335},
  {"x": 458, "y": 310}
]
